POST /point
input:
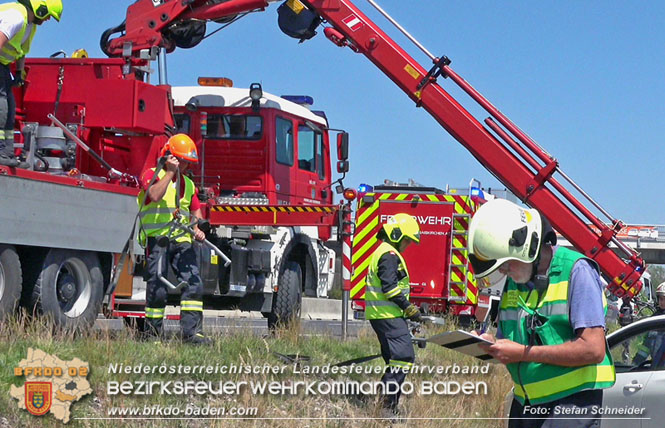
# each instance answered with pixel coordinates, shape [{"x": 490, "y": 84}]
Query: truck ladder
[{"x": 458, "y": 268}]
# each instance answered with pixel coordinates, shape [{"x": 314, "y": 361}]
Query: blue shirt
[{"x": 586, "y": 297}]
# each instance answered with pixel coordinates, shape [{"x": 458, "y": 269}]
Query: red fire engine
[
  {"x": 65, "y": 227},
  {"x": 265, "y": 177},
  {"x": 441, "y": 278}
]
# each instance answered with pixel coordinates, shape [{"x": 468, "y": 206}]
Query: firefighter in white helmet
[
  {"x": 551, "y": 332},
  {"x": 387, "y": 300},
  {"x": 660, "y": 295},
  {"x": 18, "y": 24},
  {"x": 653, "y": 345}
]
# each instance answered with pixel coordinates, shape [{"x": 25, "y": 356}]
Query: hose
[{"x": 106, "y": 36}]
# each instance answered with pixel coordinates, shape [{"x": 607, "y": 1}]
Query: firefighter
[
  {"x": 660, "y": 295},
  {"x": 160, "y": 198},
  {"x": 653, "y": 345},
  {"x": 387, "y": 302},
  {"x": 551, "y": 333},
  {"x": 18, "y": 24}
]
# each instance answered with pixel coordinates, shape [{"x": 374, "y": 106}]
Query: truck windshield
[
  {"x": 182, "y": 124},
  {"x": 309, "y": 143},
  {"x": 234, "y": 127}
]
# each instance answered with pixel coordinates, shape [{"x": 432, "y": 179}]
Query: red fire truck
[
  {"x": 65, "y": 227},
  {"x": 265, "y": 178},
  {"x": 441, "y": 278}
]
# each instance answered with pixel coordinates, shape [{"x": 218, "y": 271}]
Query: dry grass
[{"x": 100, "y": 348}]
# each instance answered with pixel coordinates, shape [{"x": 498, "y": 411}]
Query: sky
[{"x": 585, "y": 79}]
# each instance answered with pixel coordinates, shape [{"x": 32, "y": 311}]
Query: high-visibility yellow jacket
[
  {"x": 377, "y": 303},
  {"x": 156, "y": 217},
  {"x": 16, "y": 48}
]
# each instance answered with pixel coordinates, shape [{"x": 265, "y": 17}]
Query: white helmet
[
  {"x": 660, "y": 290},
  {"x": 500, "y": 231}
]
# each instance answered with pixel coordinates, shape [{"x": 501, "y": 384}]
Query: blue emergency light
[
  {"x": 365, "y": 188},
  {"x": 299, "y": 99},
  {"x": 476, "y": 191}
]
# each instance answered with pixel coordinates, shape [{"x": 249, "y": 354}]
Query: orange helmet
[{"x": 182, "y": 147}]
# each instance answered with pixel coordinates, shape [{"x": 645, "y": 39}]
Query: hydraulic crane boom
[
  {"x": 529, "y": 177},
  {"x": 500, "y": 146},
  {"x": 170, "y": 23}
]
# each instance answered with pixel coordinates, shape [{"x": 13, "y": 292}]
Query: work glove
[
  {"x": 413, "y": 313},
  {"x": 19, "y": 79}
]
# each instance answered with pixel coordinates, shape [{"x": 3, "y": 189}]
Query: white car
[
  {"x": 639, "y": 392},
  {"x": 637, "y": 399}
]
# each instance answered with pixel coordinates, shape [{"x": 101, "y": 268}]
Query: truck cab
[{"x": 272, "y": 151}]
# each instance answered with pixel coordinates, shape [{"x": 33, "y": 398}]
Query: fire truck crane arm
[
  {"x": 498, "y": 144},
  {"x": 170, "y": 24}
]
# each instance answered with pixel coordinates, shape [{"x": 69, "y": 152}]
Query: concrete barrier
[
  {"x": 323, "y": 309},
  {"x": 312, "y": 309}
]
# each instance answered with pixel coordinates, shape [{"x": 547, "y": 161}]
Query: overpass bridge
[{"x": 649, "y": 241}]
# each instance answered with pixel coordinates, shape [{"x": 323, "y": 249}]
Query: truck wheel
[
  {"x": 10, "y": 281},
  {"x": 287, "y": 302},
  {"x": 69, "y": 288}
]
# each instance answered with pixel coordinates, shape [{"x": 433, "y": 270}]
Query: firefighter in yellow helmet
[
  {"x": 18, "y": 24},
  {"x": 387, "y": 301},
  {"x": 551, "y": 334},
  {"x": 161, "y": 196}
]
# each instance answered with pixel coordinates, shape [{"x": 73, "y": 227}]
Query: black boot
[
  {"x": 197, "y": 339},
  {"x": 153, "y": 330},
  {"x": 13, "y": 161},
  {"x": 191, "y": 323},
  {"x": 8, "y": 160},
  {"x": 22, "y": 164}
]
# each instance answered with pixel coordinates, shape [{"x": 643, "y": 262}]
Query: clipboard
[{"x": 464, "y": 342}]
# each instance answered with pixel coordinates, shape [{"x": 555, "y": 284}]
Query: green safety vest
[
  {"x": 539, "y": 382},
  {"x": 156, "y": 218},
  {"x": 15, "y": 48},
  {"x": 377, "y": 303}
]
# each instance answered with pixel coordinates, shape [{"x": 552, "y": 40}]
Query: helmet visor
[
  {"x": 42, "y": 11},
  {"x": 482, "y": 268}
]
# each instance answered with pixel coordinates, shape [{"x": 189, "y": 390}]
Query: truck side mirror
[
  {"x": 342, "y": 166},
  {"x": 343, "y": 146}
]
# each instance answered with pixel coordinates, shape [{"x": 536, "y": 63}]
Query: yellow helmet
[
  {"x": 182, "y": 147},
  {"x": 500, "y": 231},
  {"x": 43, "y": 8},
  {"x": 401, "y": 225}
]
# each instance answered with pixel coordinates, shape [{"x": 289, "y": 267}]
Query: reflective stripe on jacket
[
  {"x": 156, "y": 217},
  {"x": 15, "y": 48},
  {"x": 539, "y": 382},
  {"x": 377, "y": 303}
]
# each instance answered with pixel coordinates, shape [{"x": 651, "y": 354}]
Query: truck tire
[
  {"x": 10, "y": 281},
  {"x": 286, "y": 304},
  {"x": 69, "y": 288}
]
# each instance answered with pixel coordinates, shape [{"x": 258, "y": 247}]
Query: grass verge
[{"x": 103, "y": 350}]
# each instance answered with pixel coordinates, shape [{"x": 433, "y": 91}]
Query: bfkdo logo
[
  {"x": 38, "y": 397},
  {"x": 51, "y": 384}
]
